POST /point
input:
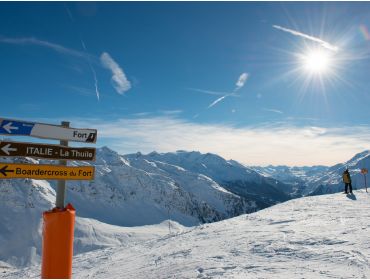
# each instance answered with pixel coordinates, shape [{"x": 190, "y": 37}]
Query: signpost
[
  {"x": 61, "y": 188},
  {"x": 57, "y": 243},
  {"x": 47, "y": 131},
  {"x": 47, "y": 151},
  {"x": 364, "y": 172}
]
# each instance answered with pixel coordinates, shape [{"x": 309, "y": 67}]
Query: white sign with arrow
[
  {"x": 47, "y": 131},
  {"x": 7, "y": 149}
]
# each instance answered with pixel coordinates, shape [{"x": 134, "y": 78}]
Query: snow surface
[{"x": 312, "y": 237}]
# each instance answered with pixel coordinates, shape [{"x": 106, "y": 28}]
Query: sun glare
[{"x": 316, "y": 62}]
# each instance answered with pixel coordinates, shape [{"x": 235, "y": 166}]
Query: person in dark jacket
[{"x": 347, "y": 181}]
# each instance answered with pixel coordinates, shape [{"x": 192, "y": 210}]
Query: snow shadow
[{"x": 351, "y": 196}]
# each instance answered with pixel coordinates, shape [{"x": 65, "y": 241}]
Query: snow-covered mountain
[
  {"x": 312, "y": 237},
  {"x": 229, "y": 174},
  {"x": 120, "y": 195},
  {"x": 129, "y": 195},
  {"x": 297, "y": 178}
]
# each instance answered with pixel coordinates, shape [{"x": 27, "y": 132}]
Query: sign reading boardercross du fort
[
  {"x": 47, "y": 131},
  {"x": 44, "y": 171}
]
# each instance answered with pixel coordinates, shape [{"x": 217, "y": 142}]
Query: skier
[{"x": 347, "y": 181}]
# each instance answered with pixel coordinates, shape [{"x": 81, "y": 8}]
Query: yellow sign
[{"x": 43, "y": 171}]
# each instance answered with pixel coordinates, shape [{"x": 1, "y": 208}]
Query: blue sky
[{"x": 147, "y": 75}]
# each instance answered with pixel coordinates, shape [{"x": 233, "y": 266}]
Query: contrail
[
  {"x": 92, "y": 70},
  {"x": 85, "y": 49},
  {"x": 273, "y": 110},
  {"x": 68, "y": 12},
  {"x": 211, "y": 92},
  {"x": 218, "y": 100},
  {"x": 315, "y": 39},
  {"x": 239, "y": 84}
]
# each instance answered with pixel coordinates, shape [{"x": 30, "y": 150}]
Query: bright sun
[{"x": 316, "y": 62}]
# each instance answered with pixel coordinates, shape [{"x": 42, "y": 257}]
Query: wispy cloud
[
  {"x": 275, "y": 143},
  {"x": 241, "y": 81},
  {"x": 211, "y": 92},
  {"x": 170, "y": 112},
  {"x": 120, "y": 82},
  {"x": 141, "y": 114},
  {"x": 273, "y": 110},
  {"x": 158, "y": 113},
  {"x": 34, "y": 41},
  {"x": 239, "y": 84},
  {"x": 308, "y": 37},
  {"x": 81, "y": 90}
]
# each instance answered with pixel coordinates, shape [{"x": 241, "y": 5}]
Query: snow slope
[
  {"x": 22, "y": 204},
  {"x": 312, "y": 237},
  {"x": 20, "y": 217}
]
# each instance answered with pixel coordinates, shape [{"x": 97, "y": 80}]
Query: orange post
[{"x": 57, "y": 243}]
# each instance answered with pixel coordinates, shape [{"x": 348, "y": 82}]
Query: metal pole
[
  {"x": 61, "y": 187},
  {"x": 169, "y": 220},
  {"x": 365, "y": 182}
]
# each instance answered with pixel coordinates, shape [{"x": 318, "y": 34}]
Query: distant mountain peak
[
  {"x": 106, "y": 155},
  {"x": 358, "y": 157}
]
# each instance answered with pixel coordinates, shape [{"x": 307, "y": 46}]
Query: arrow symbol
[
  {"x": 8, "y": 127},
  {"x": 6, "y": 149},
  {"x": 4, "y": 170}
]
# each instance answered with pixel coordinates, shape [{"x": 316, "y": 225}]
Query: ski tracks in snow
[{"x": 312, "y": 237}]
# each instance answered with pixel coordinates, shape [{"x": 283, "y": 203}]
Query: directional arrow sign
[
  {"x": 43, "y": 171},
  {"x": 17, "y": 149},
  {"x": 48, "y": 131},
  {"x": 7, "y": 149},
  {"x": 4, "y": 171}
]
